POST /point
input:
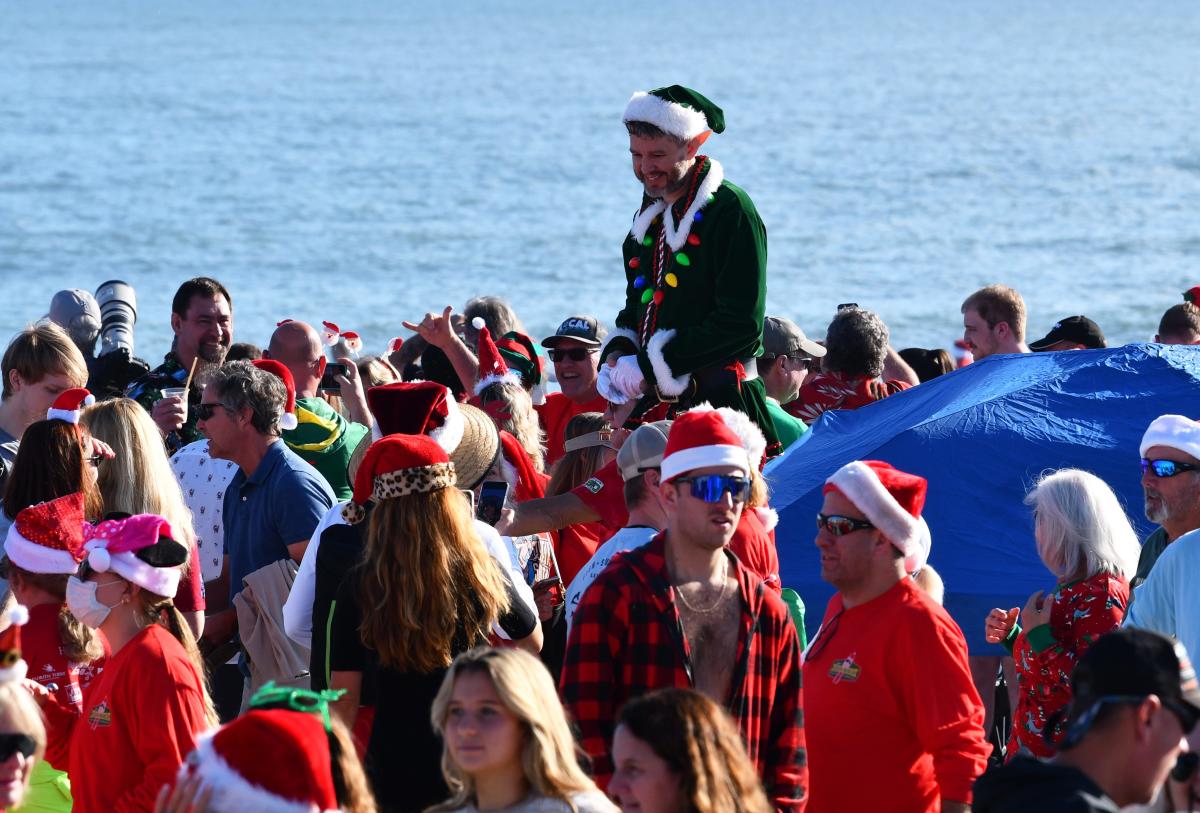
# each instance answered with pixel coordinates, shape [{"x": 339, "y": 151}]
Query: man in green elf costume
[{"x": 696, "y": 274}]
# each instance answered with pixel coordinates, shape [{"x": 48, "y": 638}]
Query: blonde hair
[
  {"x": 549, "y": 756},
  {"x": 996, "y": 304},
  {"x": 424, "y": 578},
  {"x": 139, "y": 480},
  {"x": 156, "y": 609},
  {"x": 40, "y": 350},
  {"x": 19, "y": 714},
  {"x": 522, "y": 422},
  {"x": 1080, "y": 527}
]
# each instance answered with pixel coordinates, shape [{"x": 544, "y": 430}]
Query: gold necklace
[{"x": 720, "y": 598}]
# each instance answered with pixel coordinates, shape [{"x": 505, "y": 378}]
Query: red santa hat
[
  {"x": 416, "y": 408},
  {"x": 296, "y": 777},
  {"x": 287, "y": 421},
  {"x": 698, "y": 440},
  {"x": 69, "y": 404},
  {"x": 892, "y": 501},
  {"x": 750, "y": 436},
  {"x": 492, "y": 368},
  {"x": 1174, "y": 432},
  {"x": 140, "y": 549},
  {"x": 12, "y": 665},
  {"x": 48, "y": 537},
  {"x": 395, "y": 466}
]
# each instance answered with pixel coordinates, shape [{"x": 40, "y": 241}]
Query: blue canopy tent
[{"x": 982, "y": 436}]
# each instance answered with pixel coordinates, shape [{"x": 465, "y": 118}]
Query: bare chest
[{"x": 711, "y": 624}]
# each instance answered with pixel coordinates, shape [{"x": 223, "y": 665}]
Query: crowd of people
[{"x": 479, "y": 571}]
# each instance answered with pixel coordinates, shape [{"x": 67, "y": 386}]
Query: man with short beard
[
  {"x": 1170, "y": 483},
  {"x": 696, "y": 274},
  {"x": 202, "y": 320}
]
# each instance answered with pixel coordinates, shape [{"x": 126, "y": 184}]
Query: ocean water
[{"x": 364, "y": 162}]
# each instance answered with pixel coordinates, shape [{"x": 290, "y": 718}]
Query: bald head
[{"x": 297, "y": 346}]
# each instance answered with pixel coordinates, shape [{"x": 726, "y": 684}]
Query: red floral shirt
[{"x": 825, "y": 391}]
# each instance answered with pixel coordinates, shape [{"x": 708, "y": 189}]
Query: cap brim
[
  {"x": 552, "y": 341},
  {"x": 813, "y": 349},
  {"x": 1044, "y": 344}
]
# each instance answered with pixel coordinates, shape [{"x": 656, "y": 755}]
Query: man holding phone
[{"x": 322, "y": 437}]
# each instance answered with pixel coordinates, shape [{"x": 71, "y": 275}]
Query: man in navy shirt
[{"x": 274, "y": 502}]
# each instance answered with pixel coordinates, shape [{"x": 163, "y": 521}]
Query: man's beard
[
  {"x": 212, "y": 353},
  {"x": 1159, "y": 513}
]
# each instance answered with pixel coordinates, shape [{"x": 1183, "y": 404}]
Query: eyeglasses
[
  {"x": 1167, "y": 468},
  {"x": 204, "y": 412},
  {"x": 95, "y": 460},
  {"x": 22, "y": 744},
  {"x": 839, "y": 525},
  {"x": 574, "y": 354},
  {"x": 710, "y": 488}
]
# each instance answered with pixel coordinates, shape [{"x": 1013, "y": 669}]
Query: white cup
[{"x": 181, "y": 394}]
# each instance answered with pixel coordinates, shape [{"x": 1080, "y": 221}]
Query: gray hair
[
  {"x": 1080, "y": 526},
  {"x": 857, "y": 343},
  {"x": 240, "y": 385},
  {"x": 496, "y": 313}
]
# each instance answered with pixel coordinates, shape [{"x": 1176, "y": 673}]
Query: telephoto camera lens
[{"x": 118, "y": 314}]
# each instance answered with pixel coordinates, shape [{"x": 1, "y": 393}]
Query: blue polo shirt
[{"x": 279, "y": 505}]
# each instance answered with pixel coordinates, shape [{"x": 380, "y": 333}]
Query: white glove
[
  {"x": 607, "y": 388},
  {"x": 628, "y": 378}
]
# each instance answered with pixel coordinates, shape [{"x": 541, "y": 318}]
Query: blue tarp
[{"x": 981, "y": 436}]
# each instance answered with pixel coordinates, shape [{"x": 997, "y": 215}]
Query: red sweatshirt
[
  {"x": 42, "y": 648},
  {"x": 140, "y": 718},
  {"x": 892, "y": 718}
]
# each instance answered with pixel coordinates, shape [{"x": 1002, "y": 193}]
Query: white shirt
[
  {"x": 297, "y": 610},
  {"x": 1168, "y": 601},
  {"x": 625, "y": 539},
  {"x": 204, "y": 480}
]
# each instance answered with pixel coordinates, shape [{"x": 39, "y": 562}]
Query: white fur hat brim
[
  {"x": 673, "y": 119},
  {"x": 230, "y": 789}
]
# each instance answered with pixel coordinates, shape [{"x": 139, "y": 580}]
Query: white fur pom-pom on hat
[{"x": 478, "y": 323}]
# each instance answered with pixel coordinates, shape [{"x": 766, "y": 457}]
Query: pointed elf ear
[{"x": 696, "y": 143}]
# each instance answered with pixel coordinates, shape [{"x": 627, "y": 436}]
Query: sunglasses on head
[
  {"x": 574, "y": 354},
  {"x": 839, "y": 525},
  {"x": 711, "y": 488},
  {"x": 22, "y": 744},
  {"x": 1167, "y": 468},
  {"x": 204, "y": 412}
]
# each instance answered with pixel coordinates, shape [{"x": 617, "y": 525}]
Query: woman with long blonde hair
[
  {"x": 425, "y": 590},
  {"x": 139, "y": 480},
  {"x": 676, "y": 751},
  {"x": 507, "y": 741}
]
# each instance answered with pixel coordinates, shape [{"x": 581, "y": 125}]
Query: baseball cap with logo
[
  {"x": 582, "y": 329},
  {"x": 782, "y": 337},
  {"x": 1074, "y": 329},
  {"x": 1127, "y": 665},
  {"x": 643, "y": 449}
]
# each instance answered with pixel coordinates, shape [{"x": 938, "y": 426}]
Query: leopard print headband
[{"x": 392, "y": 484}]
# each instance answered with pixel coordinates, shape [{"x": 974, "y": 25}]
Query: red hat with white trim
[
  {"x": 296, "y": 776},
  {"x": 892, "y": 501},
  {"x": 287, "y": 421},
  {"x": 396, "y": 466},
  {"x": 12, "y": 665},
  {"x": 492, "y": 368},
  {"x": 69, "y": 404},
  {"x": 48, "y": 537},
  {"x": 701, "y": 439},
  {"x": 140, "y": 549}
]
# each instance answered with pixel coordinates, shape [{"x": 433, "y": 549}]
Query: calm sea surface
[{"x": 364, "y": 162}]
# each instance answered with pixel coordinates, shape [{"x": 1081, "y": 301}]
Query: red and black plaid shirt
[{"x": 627, "y": 639}]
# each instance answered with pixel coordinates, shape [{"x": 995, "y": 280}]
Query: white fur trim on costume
[
  {"x": 489, "y": 380},
  {"x": 643, "y": 219},
  {"x": 677, "y": 235},
  {"x": 860, "y": 485},
  {"x": 702, "y": 457},
  {"x": 769, "y": 517},
  {"x": 37, "y": 558},
  {"x": 538, "y": 394},
  {"x": 288, "y": 422},
  {"x": 670, "y": 117},
  {"x": 748, "y": 432},
  {"x": 230, "y": 789},
  {"x": 668, "y": 384},
  {"x": 1174, "y": 432},
  {"x": 161, "y": 581},
  {"x": 450, "y": 433},
  {"x": 624, "y": 333}
]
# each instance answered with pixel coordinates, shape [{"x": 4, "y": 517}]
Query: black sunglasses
[
  {"x": 1167, "y": 468},
  {"x": 204, "y": 412},
  {"x": 574, "y": 354},
  {"x": 839, "y": 525},
  {"x": 22, "y": 744}
]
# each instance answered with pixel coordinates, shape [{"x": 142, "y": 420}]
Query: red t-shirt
[
  {"x": 42, "y": 648},
  {"x": 555, "y": 414}
]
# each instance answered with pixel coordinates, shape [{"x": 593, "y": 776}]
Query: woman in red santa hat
[
  {"x": 424, "y": 591},
  {"x": 145, "y": 711}
]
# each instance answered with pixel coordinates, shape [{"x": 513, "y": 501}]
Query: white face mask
[{"x": 83, "y": 604}]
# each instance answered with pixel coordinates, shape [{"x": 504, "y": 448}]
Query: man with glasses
[
  {"x": 680, "y": 611},
  {"x": 888, "y": 693},
  {"x": 1170, "y": 452},
  {"x": 1134, "y": 701},
  {"x": 788, "y": 358},
  {"x": 572, "y": 350}
]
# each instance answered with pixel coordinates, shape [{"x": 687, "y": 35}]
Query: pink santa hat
[{"x": 140, "y": 549}]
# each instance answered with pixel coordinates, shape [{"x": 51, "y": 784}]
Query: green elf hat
[{"x": 677, "y": 111}]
